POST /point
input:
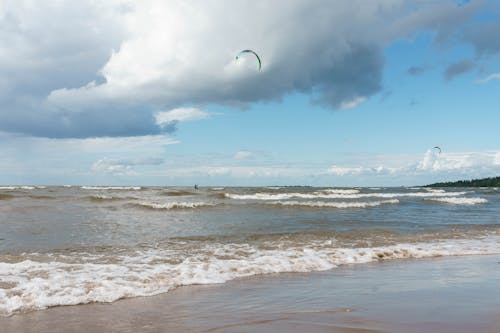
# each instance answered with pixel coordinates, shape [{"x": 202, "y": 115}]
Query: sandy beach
[{"x": 456, "y": 294}]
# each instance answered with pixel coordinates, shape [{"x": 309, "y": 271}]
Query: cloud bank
[
  {"x": 446, "y": 165},
  {"x": 91, "y": 69}
]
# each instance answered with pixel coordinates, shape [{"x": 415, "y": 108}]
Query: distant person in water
[{"x": 195, "y": 186}]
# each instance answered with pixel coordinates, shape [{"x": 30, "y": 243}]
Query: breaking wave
[
  {"x": 134, "y": 188},
  {"x": 329, "y": 204},
  {"x": 177, "y": 193},
  {"x": 459, "y": 201},
  {"x": 10, "y": 188},
  {"x": 172, "y": 205},
  {"x": 102, "y": 197},
  {"x": 324, "y": 194},
  {"x": 39, "y": 281}
]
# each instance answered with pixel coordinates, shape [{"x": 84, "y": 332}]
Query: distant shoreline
[{"x": 484, "y": 182}]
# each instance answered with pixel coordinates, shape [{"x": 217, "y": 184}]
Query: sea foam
[
  {"x": 135, "y": 188},
  {"x": 330, "y": 204},
  {"x": 460, "y": 201},
  {"x": 173, "y": 205},
  {"x": 338, "y": 195},
  {"x": 32, "y": 284}
]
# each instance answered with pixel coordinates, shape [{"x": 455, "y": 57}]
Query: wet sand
[{"x": 458, "y": 294}]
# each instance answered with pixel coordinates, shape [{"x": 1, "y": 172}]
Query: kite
[{"x": 250, "y": 51}]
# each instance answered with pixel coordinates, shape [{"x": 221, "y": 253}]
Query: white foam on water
[
  {"x": 80, "y": 278},
  {"x": 326, "y": 195},
  {"x": 104, "y": 197},
  {"x": 415, "y": 194},
  {"x": 20, "y": 187},
  {"x": 135, "y": 188},
  {"x": 175, "y": 205},
  {"x": 339, "y": 191},
  {"x": 266, "y": 196},
  {"x": 329, "y": 204},
  {"x": 460, "y": 201},
  {"x": 434, "y": 190}
]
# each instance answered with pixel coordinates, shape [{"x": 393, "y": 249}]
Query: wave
[
  {"x": 37, "y": 282},
  {"x": 135, "y": 188},
  {"x": 335, "y": 195},
  {"x": 39, "y": 197},
  {"x": 218, "y": 195},
  {"x": 172, "y": 205},
  {"x": 327, "y": 204},
  {"x": 177, "y": 193},
  {"x": 339, "y": 191},
  {"x": 101, "y": 197},
  {"x": 459, "y": 201},
  {"x": 434, "y": 190},
  {"x": 20, "y": 187}
]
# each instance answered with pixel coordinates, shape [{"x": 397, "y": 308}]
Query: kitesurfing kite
[
  {"x": 250, "y": 51},
  {"x": 439, "y": 149}
]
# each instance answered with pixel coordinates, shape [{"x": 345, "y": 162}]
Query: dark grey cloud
[
  {"x": 459, "y": 68},
  {"x": 48, "y": 46},
  {"x": 484, "y": 36},
  {"x": 480, "y": 31},
  {"x": 58, "y": 123}
]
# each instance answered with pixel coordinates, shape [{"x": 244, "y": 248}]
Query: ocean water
[{"x": 80, "y": 244}]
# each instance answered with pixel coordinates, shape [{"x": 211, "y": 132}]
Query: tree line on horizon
[{"x": 484, "y": 182}]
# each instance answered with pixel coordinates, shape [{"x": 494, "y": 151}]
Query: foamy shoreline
[
  {"x": 456, "y": 294},
  {"x": 36, "y": 282}
]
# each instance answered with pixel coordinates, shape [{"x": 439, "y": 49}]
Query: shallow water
[{"x": 71, "y": 245}]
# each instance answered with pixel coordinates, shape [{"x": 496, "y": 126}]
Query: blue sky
[{"x": 351, "y": 93}]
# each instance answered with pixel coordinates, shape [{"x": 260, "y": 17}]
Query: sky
[{"x": 350, "y": 93}]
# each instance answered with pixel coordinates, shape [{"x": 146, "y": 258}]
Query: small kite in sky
[{"x": 250, "y": 51}]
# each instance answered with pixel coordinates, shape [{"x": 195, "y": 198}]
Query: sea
[{"x": 67, "y": 245}]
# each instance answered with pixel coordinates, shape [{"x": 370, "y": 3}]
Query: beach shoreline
[{"x": 447, "y": 294}]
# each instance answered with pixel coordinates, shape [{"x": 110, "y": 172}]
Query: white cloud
[
  {"x": 123, "y": 167},
  {"x": 361, "y": 170},
  {"x": 112, "y": 167},
  {"x": 462, "y": 164},
  {"x": 497, "y": 159},
  {"x": 180, "y": 115},
  {"x": 429, "y": 160},
  {"x": 243, "y": 155},
  {"x": 352, "y": 103},
  {"x": 55, "y": 161},
  {"x": 494, "y": 76},
  {"x": 343, "y": 171},
  {"x": 171, "y": 56},
  {"x": 257, "y": 173}
]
